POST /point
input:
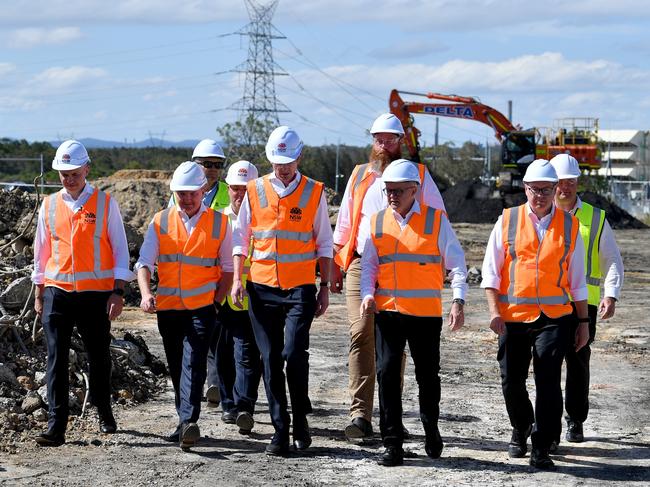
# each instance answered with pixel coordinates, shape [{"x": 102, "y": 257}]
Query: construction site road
[{"x": 474, "y": 423}]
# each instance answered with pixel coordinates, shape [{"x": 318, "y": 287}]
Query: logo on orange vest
[
  {"x": 295, "y": 214},
  {"x": 90, "y": 218}
]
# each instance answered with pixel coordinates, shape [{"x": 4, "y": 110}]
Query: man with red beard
[{"x": 364, "y": 197}]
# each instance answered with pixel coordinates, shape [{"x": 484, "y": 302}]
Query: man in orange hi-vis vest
[
  {"x": 81, "y": 264},
  {"x": 534, "y": 264},
  {"x": 409, "y": 245},
  {"x": 285, "y": 213},
  {"x": 364, "y": 197},
  {"x": 192, "y": 246}
]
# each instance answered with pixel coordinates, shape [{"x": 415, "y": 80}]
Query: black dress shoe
[
  {"x": 555, "y": 445},
  {"x": 175, "y": 436},
  {"x": 50, "y": 438},
  {"x": 279, "y": 446},
  {"x": 107, "y": 422},
  {"x": 190, "y": 434},
  {"x": 245, "y": 422},
  {"x": 301, "y": 436},
  {"x": 229, "y": 417},
  {"x": 358, "y": 428},
  {"x": 574, "y": 433},
  {"x": 517, "y": 447},
  {"x": 213, "y": 396},
  {"x": 433, "y": 445},
  {"x": 539, "y": 459},
  {"x": 393, "y": 456}
]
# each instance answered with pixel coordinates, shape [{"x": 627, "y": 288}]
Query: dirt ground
[{"x": 474, "y": 423}]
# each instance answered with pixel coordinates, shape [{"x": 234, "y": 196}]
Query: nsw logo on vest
[
  {"x": 295, "y": 214},
  {"x": 89, "y": 218}
]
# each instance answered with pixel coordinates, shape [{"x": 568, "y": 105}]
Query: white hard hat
[
  {"x": 387, "y": 123},
  {"x": 566, "y": 166},
  {"x": 208, "y": 148},
  {"x": 188, "y": 176},
  {"x": 70, "y": 155},
  {"x": 540, "y": 170},
  {"x": 401, "y": 170},
  {"x": 284, "y": 146},
  {"x": 240, "y": 173}
]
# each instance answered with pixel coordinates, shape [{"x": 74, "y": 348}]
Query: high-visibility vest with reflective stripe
[
  {"x": 363, "y": 177},
  {"x": 81, "y": 256},
  {"x": 244, "y": 277},
  {"x": 188, "y": 267},
  {"x": 410, "y": 275},
  {"x": 284, "y": 246},
  {"x": 534, "y": 277},
  {"x": 591, "y": 221}
]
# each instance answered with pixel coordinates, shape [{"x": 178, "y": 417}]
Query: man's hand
[
  {"x": 368, "y": 306},
  {"x": 237, "y": 293},
  {"x": 322, "y": 301},
  {"x": 114, "y": 306},
  {"x": 456, "y": 316},
  {"x": 148, "y": 303},
  {"x": 38, "y": 305},
  {"x": 497, "y": 325},
  {"x": 336, "y": 277},
  {"x": 606, "y": 308},
  {"x": 582, "y": 335}
]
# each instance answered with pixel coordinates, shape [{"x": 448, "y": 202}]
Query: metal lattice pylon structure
[{"x": 259, "y": 103}]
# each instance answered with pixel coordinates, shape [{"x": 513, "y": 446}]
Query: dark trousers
[
  {"x": 545, "y": 341},
  {"x": 281, "y": 320},
  {"x": 392, "y": 331},
  {"x": 576, "y": 389},
  {"x": 186, "y": 336},
  {"x": 62, "y": 311},
  {"x": 234, "y": 363}
]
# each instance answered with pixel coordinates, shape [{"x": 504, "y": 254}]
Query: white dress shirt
[
  {"x": 322, "y": 228},
  {"x": 495, "y": 256},
  {"x": 116, "y": 235},
  {"x": 609, "y": 257},
  {"x": 374, "y": 201},
  {"x": 450, "y": 250},
  {"x": 150, "y": 249}
]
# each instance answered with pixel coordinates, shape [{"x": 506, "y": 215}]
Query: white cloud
[
  {"x": 6, "y": 68},
  {"x": 57, "y": 78},
  {"x": 36, "y": 36},
  {"x": 408, "y": 49}
]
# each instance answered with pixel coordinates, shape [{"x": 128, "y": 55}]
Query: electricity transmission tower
[{"x": 259, "y": 107}]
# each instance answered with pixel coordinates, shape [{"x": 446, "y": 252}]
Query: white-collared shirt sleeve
[
  {"x": 42, "y": 249},
  {"x": 149, "y": 250},
  {"x": 369, "y": 265},
  {"x": 323, "y": 229},
  {"x": 343, "y": 228},
  {"x": 117, "y": 237},
  {"x": 225, "y": 251},
  {"x": 431, "y": 193},
  {"x": 611, "y": 263},
  {"x": 241, "y": 229},
  {"x": 454, "y": 258},
  {"x": 576, "y": 261},
  {"x": 493, "y": 259}
]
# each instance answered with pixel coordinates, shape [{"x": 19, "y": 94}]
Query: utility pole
[
  {"x": 259, "y": 103},
  {"x": 336, "y": 171}
]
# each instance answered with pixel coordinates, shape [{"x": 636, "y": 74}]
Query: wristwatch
[
  {"x": 459, "y": 301},
  {"x": 118, "y": 292}
]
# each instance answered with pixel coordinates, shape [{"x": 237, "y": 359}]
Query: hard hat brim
[
  {"x": 60, "y": 166},
  {"x": 274, "y": 159},
  {"x": 540, "y": 179},
  {"x": 386, "y": 131},
  {"x": 187, "y": 187}
]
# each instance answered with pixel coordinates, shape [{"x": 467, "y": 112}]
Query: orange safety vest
[
  {"x": 534, "y": 277},
  {"x": 284, "y": 246},
  {"x": 188, "y": 267},
  {"x": 363, "y": 176},
  {"x": 410, "y": 275},
  {"x": 82, "y": 256}
]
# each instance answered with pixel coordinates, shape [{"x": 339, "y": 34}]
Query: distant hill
[{"x": 91, "y": 143}]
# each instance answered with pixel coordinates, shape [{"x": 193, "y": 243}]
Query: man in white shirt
[
  {"x": 602, "y": 258},
  {"x": 81, "y": 265},
  {"x": 363, "y": 198}
]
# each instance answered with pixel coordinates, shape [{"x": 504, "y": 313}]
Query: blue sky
[{"x": 125, "y": 69}]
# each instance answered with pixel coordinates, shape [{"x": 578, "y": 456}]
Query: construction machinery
[{"x": 576, "y": 136}]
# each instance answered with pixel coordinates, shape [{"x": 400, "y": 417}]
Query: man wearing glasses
[
  {"x": 602, "y": 257},
  {"x": 533, "y": 266},
  {"x": 363, "y": 198}
]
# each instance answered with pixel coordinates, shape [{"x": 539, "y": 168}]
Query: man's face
[
  {"x": 75, "y": 179},
  {"x": 401, "y": 196},
  {"x": 385, "y": 149},
  {"x": 189, "y": 201},
  {"x": 567, "y": 190},
  {"x": 212, "y": 167},
  {"x": 286, "y": 172},
  {"x": 540, "y": 195},
  {"x": 236, "y": 194}
]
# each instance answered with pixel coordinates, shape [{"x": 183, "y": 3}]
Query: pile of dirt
[
  {"x": 616, "y": 216},
  {"x": 131, "y": 174}
]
